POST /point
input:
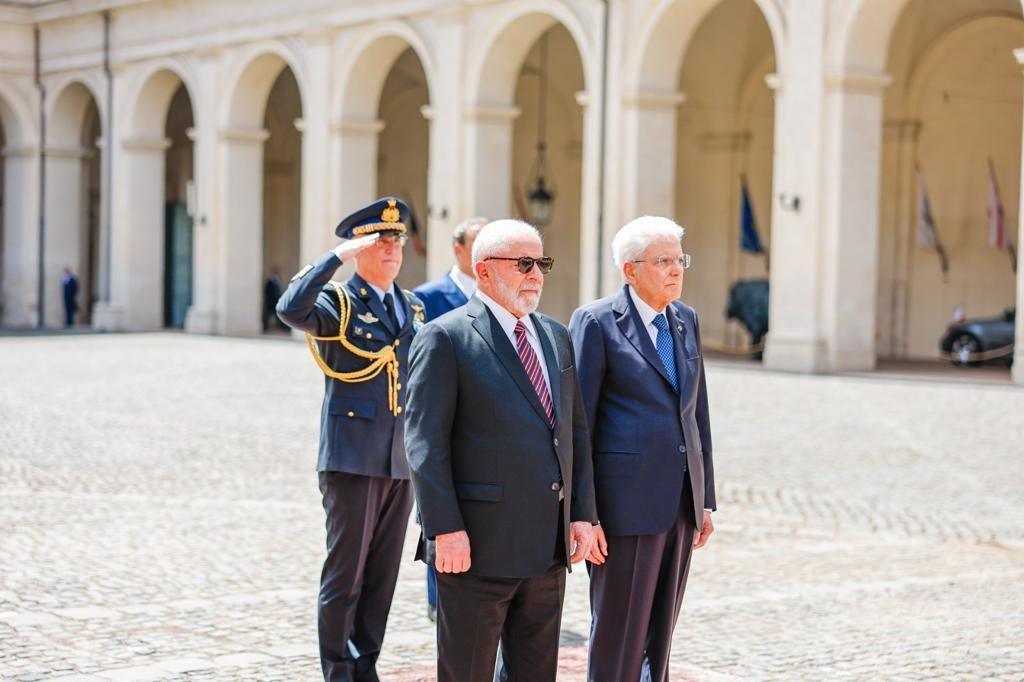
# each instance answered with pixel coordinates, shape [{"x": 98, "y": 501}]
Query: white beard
[{"x": 521, "y": 304}]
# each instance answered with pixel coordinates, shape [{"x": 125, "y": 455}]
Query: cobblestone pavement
[{"x": 159, "y": 519}]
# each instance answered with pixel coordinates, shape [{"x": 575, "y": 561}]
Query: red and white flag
[{"x": 997, "y": 236}]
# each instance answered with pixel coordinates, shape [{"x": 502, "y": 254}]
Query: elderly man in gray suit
[
  {"x": 500, "y": 460},
  {"x": 642, "y": 378}
]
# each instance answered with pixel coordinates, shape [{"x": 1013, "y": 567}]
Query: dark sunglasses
[{"x": 526, "y": 263}]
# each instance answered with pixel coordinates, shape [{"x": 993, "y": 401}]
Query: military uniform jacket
[{"x": 358, "y": 432}]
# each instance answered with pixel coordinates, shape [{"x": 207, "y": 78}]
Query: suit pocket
[
  {"x": 352, "y": 408},
  {"x": 480, "y": 492}
]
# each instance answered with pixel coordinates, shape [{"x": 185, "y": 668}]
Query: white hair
[
  {"x": 496, "y": 236},
  {"x": 459, "y": 233},
  {"x": 632, "y": 240}
]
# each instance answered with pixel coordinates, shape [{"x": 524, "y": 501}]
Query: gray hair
[
  {"x": 632, "y": 240},
  {"x": 496, "y": 236},
  {"x": 459, "y": 233}
]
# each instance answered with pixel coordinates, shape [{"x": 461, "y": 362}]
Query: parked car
[{"x": 965, "y": 340}]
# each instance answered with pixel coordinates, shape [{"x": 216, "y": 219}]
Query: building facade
[{"x": 175, "y": 153}]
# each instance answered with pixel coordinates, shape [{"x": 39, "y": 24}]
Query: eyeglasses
[
  {"x": 664, "y": 262},
  {"x": 526, "y": 263},
  {"x": 392, "y": 239}
]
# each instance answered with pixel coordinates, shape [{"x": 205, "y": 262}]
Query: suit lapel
[
  {"x": 495, "y": 337},
  {"x": 677, "y": 327},
  {"x": 547, "y": 344},
  {"x": 631, "y": 326}
]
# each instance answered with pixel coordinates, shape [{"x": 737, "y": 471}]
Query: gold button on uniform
[
  {"x": 398, "y": 410},
  {"x": 369, "y": 335},
  {"x": 351, "y": 414}
]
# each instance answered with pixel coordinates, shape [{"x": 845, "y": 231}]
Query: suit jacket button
[
  {"x": 351, "y": 414},
  {"x": 556, "y": 445},
  {"x": 556, "y": 487},
  {"x": 682, "y": 448}
]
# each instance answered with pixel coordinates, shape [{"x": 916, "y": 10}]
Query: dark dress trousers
[
  {"x": 362, "y": 467},
  {"x": 653, "y": 475},
  {"x": 440, "y": 296},
  {"x": 484, "y": 460}
]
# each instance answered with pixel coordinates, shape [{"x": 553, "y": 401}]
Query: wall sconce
[{"x": 789, "y": 202}]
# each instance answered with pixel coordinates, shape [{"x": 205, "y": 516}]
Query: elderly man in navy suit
[
  {"x": 359, "y": 333},
  {"x": 642, "y": 379}
]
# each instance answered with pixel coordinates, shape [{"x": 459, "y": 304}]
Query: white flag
[{"x": 997, "y": 237}]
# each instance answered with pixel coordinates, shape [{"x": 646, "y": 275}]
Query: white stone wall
[{"x": 831, "y": 103}]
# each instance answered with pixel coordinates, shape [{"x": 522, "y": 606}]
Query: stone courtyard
[{"x": 160, "y": 519}]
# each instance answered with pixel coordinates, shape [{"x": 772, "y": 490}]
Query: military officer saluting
[{"x": 359, "y": 334}]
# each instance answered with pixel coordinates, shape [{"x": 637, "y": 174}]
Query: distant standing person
[
  {"x": 440, "y": 296},
  {"x": 70, "y": 285}
]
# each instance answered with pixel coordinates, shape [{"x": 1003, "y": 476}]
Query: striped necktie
[{"x": 532, "y": 366}]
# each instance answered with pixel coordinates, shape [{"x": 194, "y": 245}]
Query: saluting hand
[
  {"x": 452, "y": 551},
  {"x": 350, "y": 247}
]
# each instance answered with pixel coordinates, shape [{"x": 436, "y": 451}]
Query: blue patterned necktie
[{"x": 665, "y": 351}]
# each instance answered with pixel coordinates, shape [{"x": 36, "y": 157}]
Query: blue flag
[{"x": 750, "y": 240}]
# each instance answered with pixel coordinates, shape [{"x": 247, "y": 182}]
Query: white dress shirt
[
  {"x": 464, "y": 282},
  {"x": 395, "y": 293},
  {"x": 508, "y": 324},
  {"x": 647, "y": 314}
]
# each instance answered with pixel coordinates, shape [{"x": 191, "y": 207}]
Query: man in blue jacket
[
  {"x": 359, "y": 333},
  {"x": 440, "y": 296},
  {"x": 638, "y": 354}
]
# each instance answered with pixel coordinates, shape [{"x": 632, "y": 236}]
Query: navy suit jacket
[
  {"x": 358, "y": 432},
  {"x": 439, "y": 296},
  {"x": 645, "y": 436}
]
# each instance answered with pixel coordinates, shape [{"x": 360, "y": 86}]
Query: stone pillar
[
  {"x": 137, "y": 240},
  {"x": 18, "y": 291},
  {"x": 850, "y": 219},
  {"x": 357, "y": 180},
  {"x": 240, "y": 287},
  {"x": 652, "y": 119},
  {"x": 488, "y": 178},
  {"x": 202, "y": 317},
  {"x": 1018, "y": 348},
  {"x": 316, "y": 230},
  {"x": 449, "y": 201}
]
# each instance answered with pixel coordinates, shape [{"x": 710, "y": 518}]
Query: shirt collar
[
  {"x": 647, "y": 313},
  {"x": 506, "y": 319},
  {"x": 463, "y": 281},
  {"x": 380, "y": 292}
]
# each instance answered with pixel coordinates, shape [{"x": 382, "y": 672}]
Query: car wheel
[{"x": 964, "y": 346}]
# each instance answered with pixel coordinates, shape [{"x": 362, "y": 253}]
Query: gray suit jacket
[{"x": 482, "y": 456}]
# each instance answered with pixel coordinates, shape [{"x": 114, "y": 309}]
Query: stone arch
[
  {"x": 152, "y": 94},
  {"x": 254, "y": 73},
  {"x": 654, "y": 64}
]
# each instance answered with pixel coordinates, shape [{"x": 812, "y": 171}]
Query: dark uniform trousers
[
  {"x": 366, "y": 521},
  {"x": 474, "y": 612},
  {"x": 638, "y": 593}
]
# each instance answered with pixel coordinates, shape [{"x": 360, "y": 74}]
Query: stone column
[
  {"x": 240, "y": 272},
  {"x": 1018, "y": 348},
  {"x": 137, "y": 239},
  {"x": 488, "y": 178},
  {"x": 652, "y": 119},
  {"x": 316, "y": 230},
  {"x": 202, "y": 317},
  {"x": 18, "y": 297}
]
